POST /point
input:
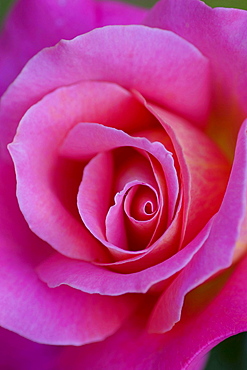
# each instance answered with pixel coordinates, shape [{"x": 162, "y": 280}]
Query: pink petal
[
  {"x": 94, "y": 195},
  {"x": 54, "y": 316},
  {"x": 33, "y": 25},
  {"x": 59, "y": 316},
  {"x": 220, "y": 34},
  {"x": 218, "y": 249},
  {"x": 204, "y": 171},
  {"x": 115, "y": 223},
  {"x": 29, "y": 307},
  {"x": 177, "y": 66},
  {"x": 241, "y": 245},
  {"x": 58, "y": 270},
  {"x": 181, "y": 348}
]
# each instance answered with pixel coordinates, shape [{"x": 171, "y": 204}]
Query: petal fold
[
  {"x": 176, "y": 65},
  {"x": 134, "y": 348},
  {"x": 57, "y": 270},
  {"x": 217, "y": 251},
  {"x": 220, "y": 34}
]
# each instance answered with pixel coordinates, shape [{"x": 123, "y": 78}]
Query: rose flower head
[{"x": 124, "y": 182}]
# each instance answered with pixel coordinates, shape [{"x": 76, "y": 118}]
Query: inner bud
[
  {"x": 141, "y": 203},
  {"x": 149, "y": 208}
]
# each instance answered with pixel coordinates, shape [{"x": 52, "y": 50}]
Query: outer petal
[
  {"x": 29, "y": 307},
  {"x": 176, "y": 66},
  {"x": 182, "y": 348},
  {"x": 217, "y": 251},
  {"x": 53, "y": 316},
  {"x": 58, "y": 270},
  {"x": 204, "y": 170},
  {"x": 220, "y": 34},
  {"x": 35, "y": 24}
]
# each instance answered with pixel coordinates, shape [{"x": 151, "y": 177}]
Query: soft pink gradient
[
  {"x": 78, "y": 60},
  {"x": 117, "y": 209},
  {"x": 181, "y": 348},
  {"x": 197, "y": 23},
  {"x": 29, "y": 306},
  {"x": 132, "y": 347}
]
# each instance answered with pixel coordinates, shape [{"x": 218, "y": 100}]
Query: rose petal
[
  {"x": 204, "y": 171},
  {"x": 33, "y": 25},
  {"x": 132, "y": 347},
  {"x": 58, "y": 270},
  {"x": 220, "y": 34},
  {"x": 65, "y": 316},
  {"x": 87, "y": 58},
  {"x": 28, "y": 306},
  {"x": 94, "y": 195},
  {"x": 55, "y": 316},
  {"x": 218, "y": 249}
]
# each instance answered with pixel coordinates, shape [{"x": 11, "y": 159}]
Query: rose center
[{"x": 141, "y": 203}]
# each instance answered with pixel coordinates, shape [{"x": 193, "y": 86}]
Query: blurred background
[
  {"x": 232, "y": 353},
  {"x": 241, "y": 4}
]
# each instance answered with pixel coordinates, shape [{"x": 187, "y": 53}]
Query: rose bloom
[{"x": 123, "y": 184}]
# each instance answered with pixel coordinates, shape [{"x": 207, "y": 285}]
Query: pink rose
[{"x": 123, "y": 164}]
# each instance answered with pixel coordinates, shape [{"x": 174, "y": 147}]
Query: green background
[
  {"x": 242, "y": 4},
  {"x": 4, "y": 5},
  {"x": 232, "y": 353}
]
